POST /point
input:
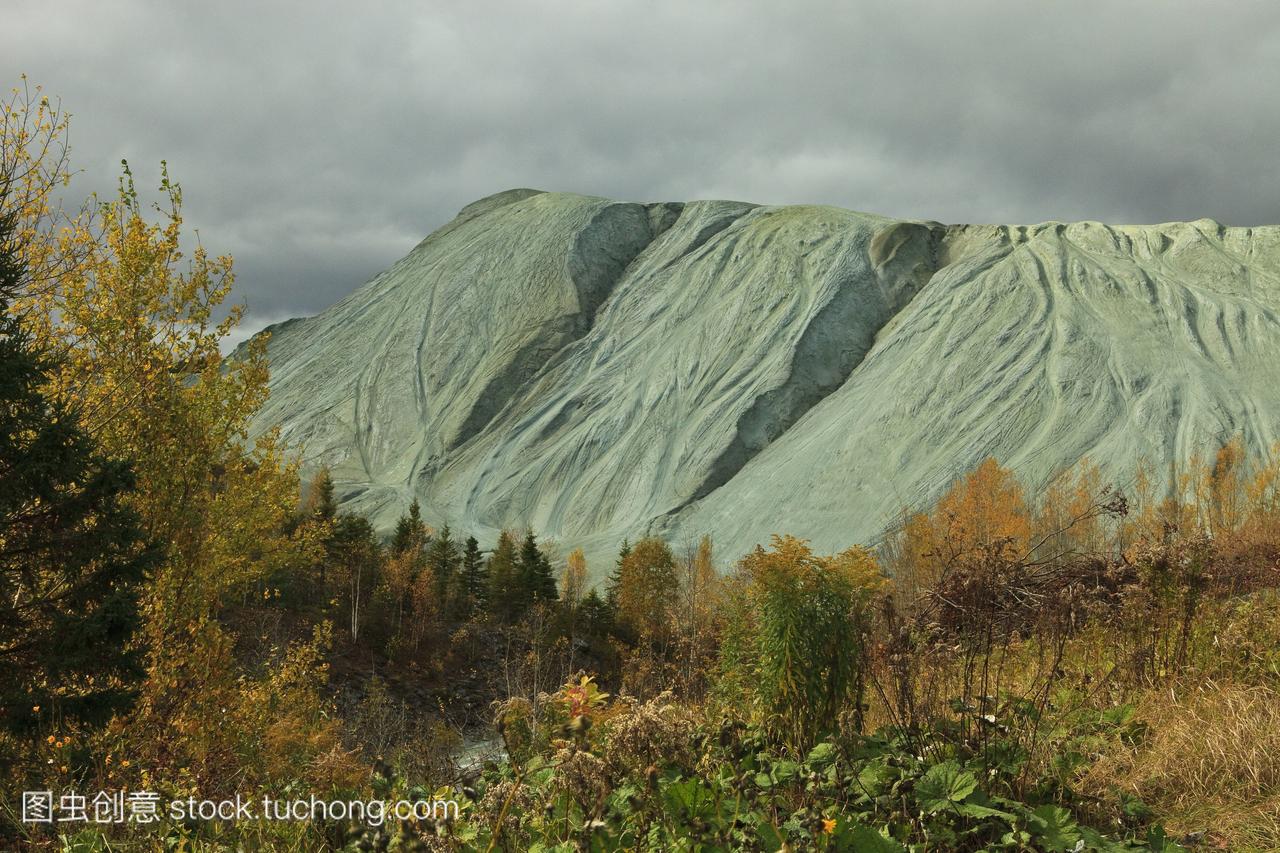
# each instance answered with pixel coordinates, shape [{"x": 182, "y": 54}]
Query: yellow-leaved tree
[
  {"x": 1068, "y": 520},
  {"x": 982, "y": 516},
  {"x": 648, "y": 590},
  {"x": 35, "y": 163},
  {"x": 135, "y": 321},
  {"x": 697, "y": 607},
  {"x": 573, "y": 582}
]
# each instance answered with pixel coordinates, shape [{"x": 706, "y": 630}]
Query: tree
[
  {"x": 355, "y": 553},
  {"x": 133, "y": 320},
  {"x": 396, "y": 584},
  {"x": 502, "y": 570},
  {"x": 695, "y": 611},
  {"x": 573, "y": 582},
  {"x": 143, "y": 365},
  {"x": 596, "y": 617},
  {"x": 442, "y": 559},
  {"x": 647, "y": 589},
  {"x": 424, "y": 600},
  {"x": 321, "y": 509},
  {"x": 983, "y": 518},
  {"x": 49, "y": 240},
  {"x": 320, "y": 502},
  {"x": 615, "y": 578},
  {"x": 536, "y": 583},
  {"x": 410, "y": 531},
  {"x": 1067, "y": 520},
  {"x": 475, "y": 579},
  {"x": 72, "y": 554}
]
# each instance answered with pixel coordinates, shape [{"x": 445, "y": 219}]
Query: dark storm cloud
[{"x": 319, "y": 142}]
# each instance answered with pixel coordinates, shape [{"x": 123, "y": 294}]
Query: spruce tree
[
  {"x": 320, "y": 502},
  {"x": 597, "y": 619},
  {"x": 502, "y": 571},
  {"x": 536, "y": 582},
  {"x": 72, "y": 556},
  {"x": 442, "y": 559},
  {"x": 321, "y": 507},
  {"x": 475, "y": 579},
  {"x": 545, "y": 589},
  {"x": 410, "y": 530},
  {"x": 615, "y": 579}
]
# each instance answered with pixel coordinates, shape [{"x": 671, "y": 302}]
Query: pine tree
[
  {"x": 320, "y": 503},
  {"x": 502, "y": 571},
  {"x": 475, "y": 579},
  {"x": 442, "y": 559},
  {"x": 614, "y": 584},
  {"x": 536, "y": 582},
  {"x": 410, "y": 530},
  {"x": 72, "y": 558},
  {"x": 320, "y": 506},
  {"x": 595, "y": 616}
]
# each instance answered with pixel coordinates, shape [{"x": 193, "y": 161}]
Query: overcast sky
[{"x": 318, "y": 143}]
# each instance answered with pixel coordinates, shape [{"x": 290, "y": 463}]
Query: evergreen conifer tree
[
  {"x": 410, "y": 530},
  {"x": 502, "y": 571},
  {"x": 320, "y": 500},
  {"x": 614, "y": 584},
  {"x": 475, "y": 579},
  {"x": 536, "y": 582},
  {"x": 320, "y": 506},
  {"x": 72, "y": 556},
  {"x": 596, "y": 618},
  {"x": 442, "y": 559}
]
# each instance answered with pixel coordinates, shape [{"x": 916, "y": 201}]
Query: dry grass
[{"x": 1210, "y": 762}]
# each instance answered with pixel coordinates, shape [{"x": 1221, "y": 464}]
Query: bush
[{"x": 800, "y": 636}]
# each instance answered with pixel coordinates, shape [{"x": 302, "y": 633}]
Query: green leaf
[
  {"x": 770, "y": 840},
  {"x": 822, "y": 754},
  {"x": 1134, "y": 807},
  {"x": 689, "y": 796},
  {"x": 1119, "y": 715},
  {"x": 1157, "y": 840},
  {"x": 976, "y": 811},
  {"x": 1096, "y": 841},
  {"x": 861, "y": 838},
  {"x": 784, "y": 770},
  {"x": 874, "y": 777},
  {"x": 942, "y": 785},
  {"x": 1055, "y": 827}
]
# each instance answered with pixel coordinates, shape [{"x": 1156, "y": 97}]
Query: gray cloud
[{"x": 318, "y": 142}]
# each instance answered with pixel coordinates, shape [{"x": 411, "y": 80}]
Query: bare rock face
[{"x": 598, "y": 370}]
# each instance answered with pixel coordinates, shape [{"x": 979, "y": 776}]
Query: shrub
[{"x": 801, "y": 634}]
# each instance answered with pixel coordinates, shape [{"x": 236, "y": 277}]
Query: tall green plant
[{"x": 805, "y": 618}]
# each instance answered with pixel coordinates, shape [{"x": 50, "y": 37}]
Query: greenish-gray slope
[{"x": 599, "y": 369}]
